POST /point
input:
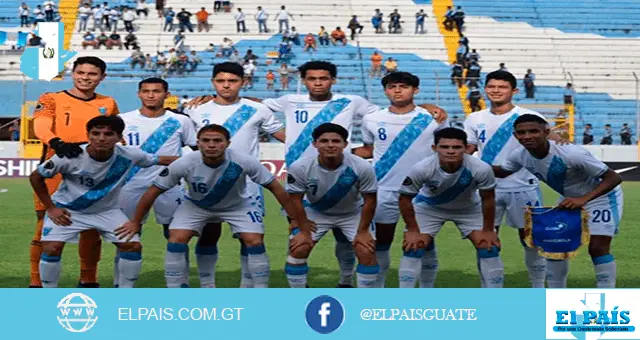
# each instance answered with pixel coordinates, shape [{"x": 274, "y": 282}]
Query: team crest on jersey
[
  {"x": 164, "y": 172},
  {"x": 381, "y": 124},
  {"x": 102, "y": 110},
  {"x": 39, "y": 106},
  {"x": 290, "y": 179},
  {"x": 197, "y": 178},
  {"x": 300, "y": 105},
  {"x": 133, "y": 128},
  {"x": 481, "y": 126}
]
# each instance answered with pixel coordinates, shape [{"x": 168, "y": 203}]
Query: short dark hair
[
  {"x": 318, "y": 65},
  {"x": 215, "y": 128},
  {"x": 502, "y": 75},
  {"x": 228, "y": 67},
  {"x": 450, "y": 133},
  {"x": 401, "y": 78},
  {"x": 330, "y": 127},
  {"x": 154, "y": 80},
  {"x": 95, "y": 61},
  {"x": 115, "y": 123},
  {"x": 529, "y": 118}
]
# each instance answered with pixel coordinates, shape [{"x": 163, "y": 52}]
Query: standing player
[
  {"x": 583, "y": 181},
  {"x": 59, "y": 121},
  {"x": 444, "y": 187},
  {"x": 88, "y": 198},
  {"x": 490, "y": 132},
  {"x": 160, "y": 132},
  {"x": 244, "y": 119},
  {"x": 217, "y": 193},
  {"x": 397, "y": 138},
  {"x": 340, "y": 192}
]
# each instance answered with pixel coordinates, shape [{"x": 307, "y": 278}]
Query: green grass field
[{"x": 457, "y": 257}]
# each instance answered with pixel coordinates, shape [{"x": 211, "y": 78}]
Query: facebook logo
[{"x": 324, "y": 314}]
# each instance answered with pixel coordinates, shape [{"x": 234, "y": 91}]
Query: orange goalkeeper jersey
[{"x": 63, "y": 115}]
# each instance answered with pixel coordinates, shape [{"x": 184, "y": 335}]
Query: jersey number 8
[{"x": 382, "y": 133}]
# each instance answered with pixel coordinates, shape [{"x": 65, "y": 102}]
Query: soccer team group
[{"x": 102, "y": 172}]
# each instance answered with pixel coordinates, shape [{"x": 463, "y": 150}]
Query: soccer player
[
  {"x": 582, "y": 180},
  {"x": 340, "y": 192},
  {"x": 490, "y": 132},
  {"x": 217, "y": 193},
  {"x": 160, "y": 132},
  {"x": 88, "y": 198},
  {"x": 444, "y": 187},
  {"x": 59, "y": 122},
  {"x": 396, "y": 138},
  {"x": 244, "y": 119}
]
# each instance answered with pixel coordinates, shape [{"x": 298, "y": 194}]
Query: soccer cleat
[
  {"x": 343, "y": 286},
  {"x": 34, "y": 286},
  {"x": 88, "y": 285}
]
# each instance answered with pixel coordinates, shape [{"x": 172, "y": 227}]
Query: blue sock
[
  {"x": 605, "y": 267},
  {"x": 258, "y": 264},
  {"x": 175, "y": 264},
  {"x": 491, "y": 267}
]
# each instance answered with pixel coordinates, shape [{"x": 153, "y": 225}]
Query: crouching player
[
  {"x": 444, "y": 187},
  {"x": 218, "y": 192},
  {"x": 88, "y": 198},
  {"x": 583, "y": 181},
  {"x": 340, "y": 192}
]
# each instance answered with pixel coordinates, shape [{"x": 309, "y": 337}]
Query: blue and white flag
[
  {"x": 46, "y": 62},
  {"x": 13, "y": 38}
]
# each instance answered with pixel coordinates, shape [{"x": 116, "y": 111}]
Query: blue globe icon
[{"x": 77, "y": 313}]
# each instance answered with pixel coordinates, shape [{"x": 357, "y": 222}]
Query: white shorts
[
  {"x": 511, "y": 205},
  {"x": 605, "y": 214},
  {"x": 387, "y": 210},
  {"x": 164, "y": 207},
  {"x": 348, "y": 224},
  {"x": 243, "y": 218},
  {"x": 430, "y": 219},
  {"x": 104, "y": 222}
]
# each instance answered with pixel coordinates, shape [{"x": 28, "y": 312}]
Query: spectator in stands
[
  {"x": 184, "y": 20},
  {"x": 160, "y": 8},
  {"x": 105, "y": 15},
  {"x": 240, "y": 24},
  {"x": 183, "y": 102},
  {"x": 49, "y": 10},
  {"x": 457, "y": 74},
  {"x": 294, "y": 36},
  {"x": 14, "y": 131},
  {"x": 473, "y": 74},
  {"x": 474, "y": 95},
  {"x": 131, "y": 41},
  {"x": 128, "y": 17},
  {"x": 84, "y": 12},
  {"x": 354, "y": 25},
  {"x": 211, "y": 48},
  {"x": 203, "y": 20},
  {"x": 283, "y": 19},
  {"x": 114, "y": 16},
  {"x": 179, "y": 41},
  {"x": 169, "y": 14},
  {"x": 323, "y": 36},
  {"x": 310, "y": 42},
  {"x": 284, "y": 51},
  {"x": 217, "y": 6},
  {"x": 38, "y": 15},
  {"x": 456, "y": 123},
  {"x": 448, "y": 19},
  {"x": 394, "y": 22},
  {"x": 607, "y": 138},
  {"x": 464, "y": 40},
  {"x": 236, "y": 58},
  {"x": 461, "y": 54},
  {"x": 194, "y": 61},
  {"x": 261, "y": 17},
  {"x": 271, "y": 78},
  {"x": 161, "y": 62},
  {"x": 148, "y": 62},
  {"x": 226, "y": 48},
  {"x": 137, "y": 57},
  {"x": 36, "y": 41},
  {"x": 89, "y": 40},
  {"x": 376, "y": 65},
  {"x": 503, "y": 67},
  {"x": 569, "y": 94},
  {"x": 284, "y": 76},
  {"x": 390, "y": 66},
  {"x": 141, "y": 8},
  {"x": 458, "y": 18},
  {"x": 250, "y": 56},
  {"x": 338, "y": 36},
  {"x": 473, "y": 55},
  {"x": 114, "y": 40},
  {"x": 587, "y": 135},
  {"x": 183, "y": 62},
  {"x": 625, "y": 134},
  {"x": 98, "y": 13},
  {"x": 249, "y": 69},
  {"x": 23, "y": 12},
  {"x": 529, "y": 84},
  {"x": 377, "y": 20},
  {"x": 420, "y": 18}
]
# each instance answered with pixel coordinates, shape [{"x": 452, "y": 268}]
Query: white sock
[
  {"x": 175, "y": 262},
  {"x": 50, "y": 268},
  {"x": 116, "y": 271},
  {"x": 384, "y": 260},
  {"x": 429, "y": 267},
  {"x": 491, "y": 267},
  {"x": 367, "y": 276},
  {"x": 187, "y": 268},
  {"x": 206, "y": 258},
  {"x": 297, "y": 275},
  {"x": 245, "y": 279},
  {"x": 557, "y": 273},
  {"x": 605, "y": 267},
  {"x": 346, "y": 260},
  {"x": 258, "y": 263},
  {"x": 129, "y": 267},
  {"x": 410, "y": 267},
  {"x": 537, "y": 267}
]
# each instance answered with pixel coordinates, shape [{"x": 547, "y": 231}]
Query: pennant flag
[
  {"x": 46, "y": 62},
  {"x": 556, "y": 233}
]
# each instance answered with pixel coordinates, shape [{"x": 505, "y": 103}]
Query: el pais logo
[{"x": 613, "y": 319}]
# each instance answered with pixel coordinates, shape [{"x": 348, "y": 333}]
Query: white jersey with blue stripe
[
  {"x": 399, "y": 141},
  {"x": 302, "y": 116},
  {"x": 434, "y": 187},
  {"x": 332, "y": 192},
  {"x": 220, "y": 188},
  {"x": 244, "y": 119},
  {"x": 165, "y": 135},
  {"x": 570, "y": 170},
  {"x": 90, "y": 186},
  {"x": 493, "y": 135}
]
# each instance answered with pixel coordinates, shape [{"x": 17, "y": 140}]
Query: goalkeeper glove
[{"x": 62, "y": 149}]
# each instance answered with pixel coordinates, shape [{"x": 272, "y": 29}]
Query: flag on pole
[{"x": 46, "y": 62}]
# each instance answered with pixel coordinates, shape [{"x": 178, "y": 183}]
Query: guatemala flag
[{"x": 46, "y": 62}]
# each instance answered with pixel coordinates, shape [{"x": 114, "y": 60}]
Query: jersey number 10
[{"x": 302, "y": 116}]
